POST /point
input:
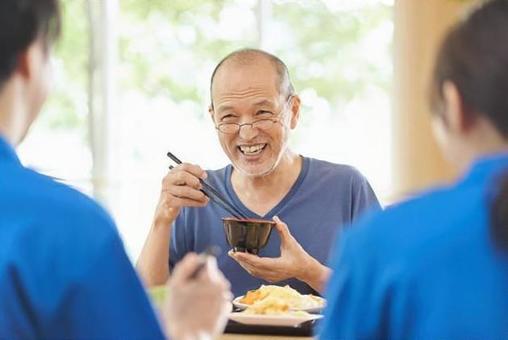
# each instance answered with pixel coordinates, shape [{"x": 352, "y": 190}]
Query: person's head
[
  {"x": 471, "y": 79},
  {"x": 249, "y": 86},
  {"x": 470, "y": 93},
  {"x": 27, "y": 30}
]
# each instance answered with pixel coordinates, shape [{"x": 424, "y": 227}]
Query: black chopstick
[
  {"x": 217, "y": 198},
  {"x": 224, "y": 205},
  {"x": 218, "y": 201},
  {"x": 213, "y": 193}
]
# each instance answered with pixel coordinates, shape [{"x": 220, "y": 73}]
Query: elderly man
[
  {"x": 254, "y": 107},
  {"x": 64, "y": 273}
]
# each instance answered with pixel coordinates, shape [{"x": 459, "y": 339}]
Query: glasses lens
[
  {"x": 263, "y": 124},
  {"x": 228, "y": 128}
]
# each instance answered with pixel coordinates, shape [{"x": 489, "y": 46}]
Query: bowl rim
[{"x": 250, "y": 220}]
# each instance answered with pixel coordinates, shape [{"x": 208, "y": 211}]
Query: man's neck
[{"x": 261, "y": 194}]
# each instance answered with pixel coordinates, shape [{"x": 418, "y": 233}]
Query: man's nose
[{"x": 247, "y": 131}]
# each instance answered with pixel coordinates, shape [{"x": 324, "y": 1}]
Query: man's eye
[
  {"x": 264, "y": 113},
  {"x": 227, "y": 117}
]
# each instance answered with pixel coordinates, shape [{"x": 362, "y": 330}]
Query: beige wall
[{"x": 419, "y": 28}]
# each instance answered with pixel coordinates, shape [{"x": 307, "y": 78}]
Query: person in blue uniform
[
  {"x": 436, "y": 267},
  {"x": 64, "y": 273},
  {"x": 254, "y": 108}
]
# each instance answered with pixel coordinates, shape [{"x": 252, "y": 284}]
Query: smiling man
[{"x": 254, "y": 108}]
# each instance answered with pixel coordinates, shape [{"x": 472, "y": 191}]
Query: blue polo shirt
[
  {"x": 324, "y": 198},
  {"x": 426, "y": 269},
  {"x": 64, "y": 273}
]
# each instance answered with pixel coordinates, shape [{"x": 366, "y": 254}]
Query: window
[{"x": 338, "y": 54}]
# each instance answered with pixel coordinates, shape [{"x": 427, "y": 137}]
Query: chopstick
[
  {"x": 219, "y": 202},
  {"x": 213, "y": 193}
]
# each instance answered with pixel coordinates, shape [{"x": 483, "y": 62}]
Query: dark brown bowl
[{"x": 247, "y": 235}]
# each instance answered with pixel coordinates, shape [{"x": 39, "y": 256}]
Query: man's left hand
[{"x": 294, "y": 261}]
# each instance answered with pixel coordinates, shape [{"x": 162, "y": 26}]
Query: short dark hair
[
  {"x": 21, "y": 23},
  {"x": 246, "y": 56},
  {"x": 474, "y": 57}
]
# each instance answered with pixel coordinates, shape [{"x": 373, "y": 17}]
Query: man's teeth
[{"x": 252, "y": 149}]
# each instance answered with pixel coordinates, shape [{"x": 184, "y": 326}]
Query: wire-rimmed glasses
[{"x": 261, "y": 124}]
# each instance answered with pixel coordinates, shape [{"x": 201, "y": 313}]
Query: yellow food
[
  {"x": 272, "y": 306},
  {"x": 254, "y": 295},
  {"x": 268, "y": 306},
  {"x": 279, "y": 299}
]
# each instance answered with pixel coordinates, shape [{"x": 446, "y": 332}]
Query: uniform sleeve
[
  {"x": 110, "y": 301},
  {"x": 364, "y": 199}
]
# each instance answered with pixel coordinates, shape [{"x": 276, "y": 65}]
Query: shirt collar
[
  {"x": 488, "y": 166},
  {"x": 7, "y": 153}
]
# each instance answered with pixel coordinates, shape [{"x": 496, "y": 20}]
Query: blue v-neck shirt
[
  {"x": 425, "y": 269},
  {"x": 64, "y": 273},
  {"x": 324, "y": 198}
]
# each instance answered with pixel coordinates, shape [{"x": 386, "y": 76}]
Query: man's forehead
[
  {"x": 256, "y": 72},
  {"x": 245, "y": 87},
  {"x": 251, "y": 97},
  {"x": 230, "y": 102}
]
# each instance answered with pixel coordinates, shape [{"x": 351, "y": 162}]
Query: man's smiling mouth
[{"x": 252, "y": 150}]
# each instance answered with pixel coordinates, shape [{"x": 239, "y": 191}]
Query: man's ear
[
  {"x": 210, "y": 111},
  {"x": 295, "y": 111},
  {"x": 458, "y": 117}
]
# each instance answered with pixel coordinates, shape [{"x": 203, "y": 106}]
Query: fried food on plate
[{"x": 280, "y": 296}]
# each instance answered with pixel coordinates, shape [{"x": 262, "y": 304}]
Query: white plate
[
  {"x": 273, "y": 320},
  {"x": 242, "y": 306}
]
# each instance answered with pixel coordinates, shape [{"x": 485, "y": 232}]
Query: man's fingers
[
  {"x": 241, "y": 262},
  {"x": 186, "y": 192},
  {"x": 260, "y": 263},
  {"x": 182, "y": 178},
  {"x": 257, "y": 272},
  {"x": 194, "y": 169},
  {"x": 243, "y": 257},
  {"x": 179, "y": 202},
  {"x": 265, "y": 273}
]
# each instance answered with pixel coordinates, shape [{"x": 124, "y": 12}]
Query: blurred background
[{"x": 131, "y": 82}]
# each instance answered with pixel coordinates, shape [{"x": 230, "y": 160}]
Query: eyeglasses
[{"x": 261, "y": 124}]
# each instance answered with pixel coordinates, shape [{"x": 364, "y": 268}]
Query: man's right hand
[
  {"x": 196, "y": 308},
  {"x": 180, "y": 188}
]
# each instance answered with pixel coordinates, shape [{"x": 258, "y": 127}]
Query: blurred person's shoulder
[
  {"x": 52, "y": 207},
  {"x": 418, "y": 227}
]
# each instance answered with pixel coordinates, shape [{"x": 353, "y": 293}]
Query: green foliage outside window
[
  {"x": 67, "y": 104},
  {"x": 168, "y": 48}
]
